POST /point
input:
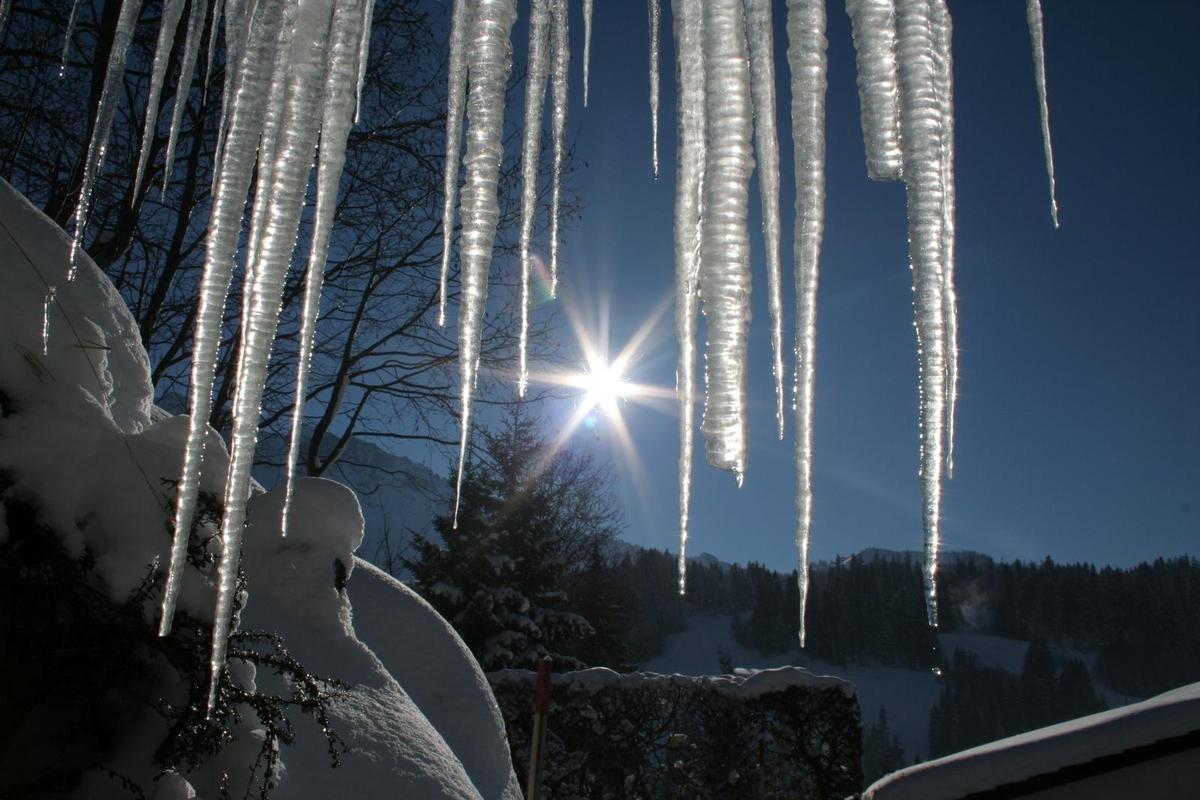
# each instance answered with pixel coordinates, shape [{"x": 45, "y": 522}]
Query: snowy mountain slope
[
  {"x": 77, "y": 445},
  {"x": 908, "y": 694}
]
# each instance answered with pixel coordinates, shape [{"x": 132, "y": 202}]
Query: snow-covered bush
[
  {"x": 781, "y": 733},
  {"x": 94, "y": 703}
]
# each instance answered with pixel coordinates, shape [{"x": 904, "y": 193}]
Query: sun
[{"x": 603, "y": 385}]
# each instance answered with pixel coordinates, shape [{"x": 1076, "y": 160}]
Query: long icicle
[
  {"x": 535, "y": 98},
  {"x": 920, "y": 120},
  {"x": 67, "y": 37},
  {"x": 214, "y": 25},
  {"x": 172, "y": 13},
  {"x": 943, "y": 35},
  {"x": 460, "y": 21},
  {"x": 187, "y": 66},
  {"x": 560, "y": 61},
  {"x": 364, "y": 45},
  {"x": 761, "y": 35},
  {"x": 1037, "y": 38},
  {"x": 688, "y": 16},
  {"x": 306, "y": 65},
  {"x": 725, "y": 256},
  {"x": 873, "y": 24},
  {"x": 654, "y": 11},
  {"x": 350, "y": 19},
  {"x": 246, "y": 109},
  {"x": 587, "y": 46},
  {"x": 490, "y": 61},
  {"x": 808, "y": 63},
  {"x": 106, "y": 109}
]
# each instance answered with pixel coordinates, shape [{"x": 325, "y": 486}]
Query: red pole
[{"x": 541, "y": 711}]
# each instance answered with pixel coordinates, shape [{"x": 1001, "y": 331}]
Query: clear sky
[{"x": 1078, "y": 428}]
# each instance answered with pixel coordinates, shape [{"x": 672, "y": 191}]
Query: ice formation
[
  {"x": 873, "y": 24},
  {"x": 287, "y": 57},
  {"x": 655, "y": 13},
  {"x": 1037, "y": 38},
  {"x": 922, "y": 133},
  {"x": 761, "y": 34},
  {"x": 560, "y": 60},
  {"x": 807, "y": 60},
  {"x": 725, "y": 243},
  {"x": 535, "y": 97},
  {"x": 172, "y": 12},
  {"x": 67, "y": 36},
  {"x": 489, "y": 60},
  {"x": 688, "y": 18},
  {"x": 587, "y": 46},
  {"x": 191, "y": 49},
  {"x": 455, "y": 100}
]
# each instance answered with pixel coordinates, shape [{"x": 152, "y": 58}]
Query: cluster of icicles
[
  {"x": 726, "y": 90},
  {"x": 294, "y": 72}
]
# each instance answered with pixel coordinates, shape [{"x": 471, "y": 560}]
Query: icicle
[
  {"x": 106, "y": 109},
  {"x": 587, "y": 46},
  {"x": 921, "y": 131},
  {"x": 762, "y": 80},
  {"x": 183, "y": 87},
  {"x": 350, "y": 19},
  {"x": 807, "y": 60},
  {"x": 535, "y": 97},
  {"x": 1037, "y": 37},
  {"x": 459, "y": 23},
  {"x": 364, "y": 45},
  {"x": 688, "y": 16},
  {"x": 490, "y": 60},
  {"x": 172, "y": 12},
  {"x": 67, "y": 37},
  {"x": 213, "y": 26},
  {"x": 943, "y": 29},
  {"x": 237, "y": 33},
  {"x": 725, "y": 256},
  {"x": 4, "y": 7},
  {"x": 655, "y": 13},
  {"x": 246, "y": 110},
  {"x": 561, "y": 59},
  {"x": 873, "y": 23},
  {"x": 289, "y": 180}
]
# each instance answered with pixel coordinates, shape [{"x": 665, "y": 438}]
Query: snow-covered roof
[{"x": 1161, "y": 725}]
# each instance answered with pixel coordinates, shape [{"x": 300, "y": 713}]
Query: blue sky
[{"x": 1079, "y": 436}]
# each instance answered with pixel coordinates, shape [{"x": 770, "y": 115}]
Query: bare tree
[{"x": 382, "y": 368}]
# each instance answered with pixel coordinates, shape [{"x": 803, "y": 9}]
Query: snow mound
[
  {"x": 81, "y": 442},
  {"x": 1170, "y": 717},
  {"x": 93, "y": 343}
]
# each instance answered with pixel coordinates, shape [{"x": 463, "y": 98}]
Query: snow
[
  {"x": 1046, "y": 750},
  {"x": 744, "y": 684},
  {"x": 81, "y": 442},
  {"x": 908, "y": 694}
]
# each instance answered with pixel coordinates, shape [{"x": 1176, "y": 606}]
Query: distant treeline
[{"x": 1141, "y": 622}]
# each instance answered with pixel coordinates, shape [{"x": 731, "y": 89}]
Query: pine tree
[{"x": 529, "y": 522}]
